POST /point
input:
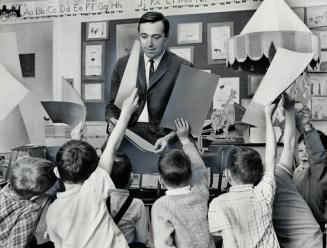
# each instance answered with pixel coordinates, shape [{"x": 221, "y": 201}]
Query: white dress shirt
[{"x": 144, "y": 116}]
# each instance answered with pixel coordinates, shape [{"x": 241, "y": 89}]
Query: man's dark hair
[
  {"x": 76, "y": 161},
  {"x": 175, "y": 168},
  {"x": 246, "y": 165},
  {"x": 154, "y": 17},
  {"x": 30, "y": 176},
  {"x": 121, "y": 171}
]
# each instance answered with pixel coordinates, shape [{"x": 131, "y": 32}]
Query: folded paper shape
[
  {"x": 284, "y": 69},
  {"x": 273, "y": 25},
  {"x": 191, "y": 98},
  {"x": 11, "y": 92},
  {"x": 274, "y": 15},
  {"x": 13, "y": 132},
  {"x": 128, "y": 82},
  {"x": 64, "y": 112},
  {"x": 138, "y": 141}
]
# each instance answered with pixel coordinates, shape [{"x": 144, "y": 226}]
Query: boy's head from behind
[
  {"x": 245, "y": 165},
  {"x": 30, "y": 176},
  {"x": 121, "y": 171},
  {"x": 76, "y": 160},
  {"x": 175, "y": 168}
]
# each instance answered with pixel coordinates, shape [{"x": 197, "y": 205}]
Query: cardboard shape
[
  {"x": 13, "y": 132},
  {"x": 11, "y": 92},
  {"x": 138, "y": 141},
  {"x": 128, "y": 82},
  {"x": 64, "y": 112},
  {"x": 191, "y": 99},
  {"x": 9, "y": 57},
  {"x": 284, "y": 69},
  {"x": 274, "y": 15}
]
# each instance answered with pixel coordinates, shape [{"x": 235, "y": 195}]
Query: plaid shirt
[
  {"x": 18, "y": 219},
  {"x": 247, "y": 210}
]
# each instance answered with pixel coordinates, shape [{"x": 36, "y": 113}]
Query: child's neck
[{"x": 69, "y": 186}]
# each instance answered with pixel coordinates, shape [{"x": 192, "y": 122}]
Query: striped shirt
[
  {"x": 247, "y": 210},
  {"x": 18, "y": 219}
]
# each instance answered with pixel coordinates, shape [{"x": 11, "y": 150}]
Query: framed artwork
[
  {"x": 189, "y": 33},
  {"x": 253, "y": 83},
  {"x": 93, "y": 54},
  {"x": 97, "y": 30},
  {"x": 317, "y": 16},
  {"x": 319, "y": 108},
  {"x": 185, "y": 52},
  {"x": 227, "y": 92},
  {"x": 125, "y": 37},
  {"x": 93, "y": 92},
  {"x": 318, "y": 83},
  {"x": 218, "y": 34}
]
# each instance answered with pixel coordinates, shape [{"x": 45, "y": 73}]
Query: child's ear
[
  {"x": 56, "y": 172},
  {"x": 162, "y": 183},
  {"x": 228, "y": 176}
]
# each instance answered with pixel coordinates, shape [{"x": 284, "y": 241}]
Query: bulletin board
[{"x": 189, "y": 37}]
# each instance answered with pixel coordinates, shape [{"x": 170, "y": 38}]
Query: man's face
[{"x": 152, "y": 38}]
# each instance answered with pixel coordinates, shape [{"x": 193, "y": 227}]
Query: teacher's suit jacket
[{"x": 158, "y": 92}]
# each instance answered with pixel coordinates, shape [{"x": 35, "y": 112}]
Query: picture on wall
[
  {"x": 184, "y": 52},
  {"x": 227, "y": 92},
  {"x": 97, "y": 30},
  {"x": 319, "y": 108},
  {"x": 317, "y": 16},
  {"x": 93, "y": 60},
  {"x": 125, "y": 37},
  {"x": 218, "y": 34},
  {"x": 93, "y": 92},
  {"x": 189, "y": 33}
]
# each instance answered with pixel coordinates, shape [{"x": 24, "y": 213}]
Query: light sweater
[{"x": 181, "y": 220}]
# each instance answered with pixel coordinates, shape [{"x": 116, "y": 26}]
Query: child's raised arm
[
  {"x": 270, "y": 157},
  {"x": 108, "y": 157},
  {"x": 286, "y": 158}
]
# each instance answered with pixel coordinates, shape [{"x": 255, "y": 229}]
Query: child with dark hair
[
  {"x": 29, "y": 177},
  {"x": 131, "y": 220},
  {"x": 79, "y": 216},
  {"x": 243, "y": 216},
  {"x": 179, "y": 219}
]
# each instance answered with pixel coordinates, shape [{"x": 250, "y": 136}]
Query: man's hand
[
  {"x": 182, "y": 130},
  {"x": 161, "y": 144}
]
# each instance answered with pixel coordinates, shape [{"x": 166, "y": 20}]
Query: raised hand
[
  {"x": 130, "y": 104},
  {"x": 182, "y": 130}
]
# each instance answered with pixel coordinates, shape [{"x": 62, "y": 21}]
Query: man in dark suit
[{"x": 157, "y": 73}]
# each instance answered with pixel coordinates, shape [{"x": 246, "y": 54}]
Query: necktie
[{"x": 151, "y": 71}]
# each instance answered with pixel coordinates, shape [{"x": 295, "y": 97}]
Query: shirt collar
[
  {"x": 156, "y": 60},
  {"x": 179, "y": 191},
  {"x": 69, "y": 192},
  {"x": 120, "y": 192},
  {"x": 240, "y": 188},
  {"x": 11, "y": 193}
]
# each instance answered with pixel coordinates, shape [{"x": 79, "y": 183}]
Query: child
[
  {"x": 79, "y": 217},
  {"x": 133, "y": 222},
  {"x": 29, "y": 177},
  {"x": 293, "y": 221},
  {"x": 179, "y": 219},
  {"x": 310, "y": 176},
  {"x": 243, "y": 216}
]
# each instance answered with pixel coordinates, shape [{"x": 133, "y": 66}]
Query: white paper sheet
[
  {"x": 9, "y": 54},
  {"x": 93, "y": 60},
  {"x": 11, "y": 92},
  {"x": 128, "y": 82},
  {"x": 284, "y": 69},
  {"x": 274, "y": 15},
  {"x": 13, "y": 132}
]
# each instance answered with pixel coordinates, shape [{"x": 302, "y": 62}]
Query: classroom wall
[{"x": 36, "y": 38}]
